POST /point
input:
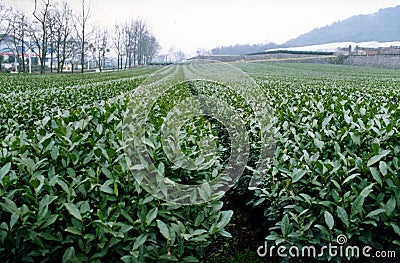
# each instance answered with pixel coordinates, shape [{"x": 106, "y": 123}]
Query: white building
[{"x": 12, "y": 50}]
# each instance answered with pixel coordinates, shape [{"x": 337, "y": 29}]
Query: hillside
[
  {"x": 382, "y": 26},
  {"x": 243, "y": 49}
]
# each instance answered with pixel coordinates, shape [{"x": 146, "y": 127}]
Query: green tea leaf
[
  {"x": 151, "y": 215},
  {"x": 329, "y": 220},
  {"x": 297, "y": 174},
  {"x": 9, "y": 206},
  {"x": 190, "y": 259},
  {"x": 74, "y": 230},
  {"x": 396, "y": 228},
  {"x": 199, "y": 219},
  {"x": 14, "y": 219},
  {"x": 359, "y": 201},
  {"x": 106, "y": 187},
  {"x": 342, "y": 214},
  {"x": 349, "y": 178},
  {"x": 390, "y": 206},
  {"x": 376, "y": 175},
  {"x": 49, "y": 221},
  {"x": 73, "y": 210},
  {"x": 4, "y": 170},
  {"x": 140, "y": 240},
  {"x": 377, "y": 158},
  {"x": 163, "y": 229},
  {"x": 383, "y": 168},
  {"x": 376, "y": 212},
  {"x": 69, "y": 255},
  {"x": 225, "y": 217},
  {"x": 285, "y": 225}
]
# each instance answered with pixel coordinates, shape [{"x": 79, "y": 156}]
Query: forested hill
[{"x": 382, "y": 26}]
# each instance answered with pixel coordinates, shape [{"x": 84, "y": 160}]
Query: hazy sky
[{"x": 189, "y": 25}]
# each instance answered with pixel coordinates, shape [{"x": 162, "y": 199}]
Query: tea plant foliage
[
  {"x": 66, "y": 190},
  {"x": 336, "y": 166}
]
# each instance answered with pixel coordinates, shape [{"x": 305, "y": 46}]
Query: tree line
[
  {"x": 68, "y": 35},
  {"x": 244, "y": 49}
]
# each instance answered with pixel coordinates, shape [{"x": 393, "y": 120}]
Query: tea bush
[
  {"x": 336, "y": 165},
  {"x": 67, "y": 193}
]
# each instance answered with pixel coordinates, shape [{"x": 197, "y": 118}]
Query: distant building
[
  {"x": 392, "y": 50},
  {"x": 11, "y": 52},
  {"x": 344, "y": 51},
  {"x": 366, "y": 51}
]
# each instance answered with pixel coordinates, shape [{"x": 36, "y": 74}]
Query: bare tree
[
  {"x": 130, "y": 42},
  {"x": 41, "y": 13},
  {"x": 139, "y": 45},
  {"x": 180, "y": 55},
  {"x": 151, "y": 48},
  {"x": 101, "y": 47},
  {"x": 141, "y": 38},
  {"x": 19, "y": 28},
  {"x": 72, "y": 51},
  {"x": 62, "y": 33},
  {"x": 4, "y": 21},
  {"x": 56, "y": 30},
  {"x": 117, "y": 40},
  {"x": 126, "y": 43},
  {"x": 147, "y": 45},
  {"x": 52, "y": 28},
  {"x": 82, "y": 24},
  {"x": 175, "y": 55}
]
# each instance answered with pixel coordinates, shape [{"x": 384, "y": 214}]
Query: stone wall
[{"x": 383, "y": 61}]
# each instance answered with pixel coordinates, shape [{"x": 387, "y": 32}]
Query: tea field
[{"x": 68, "y": 190}]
